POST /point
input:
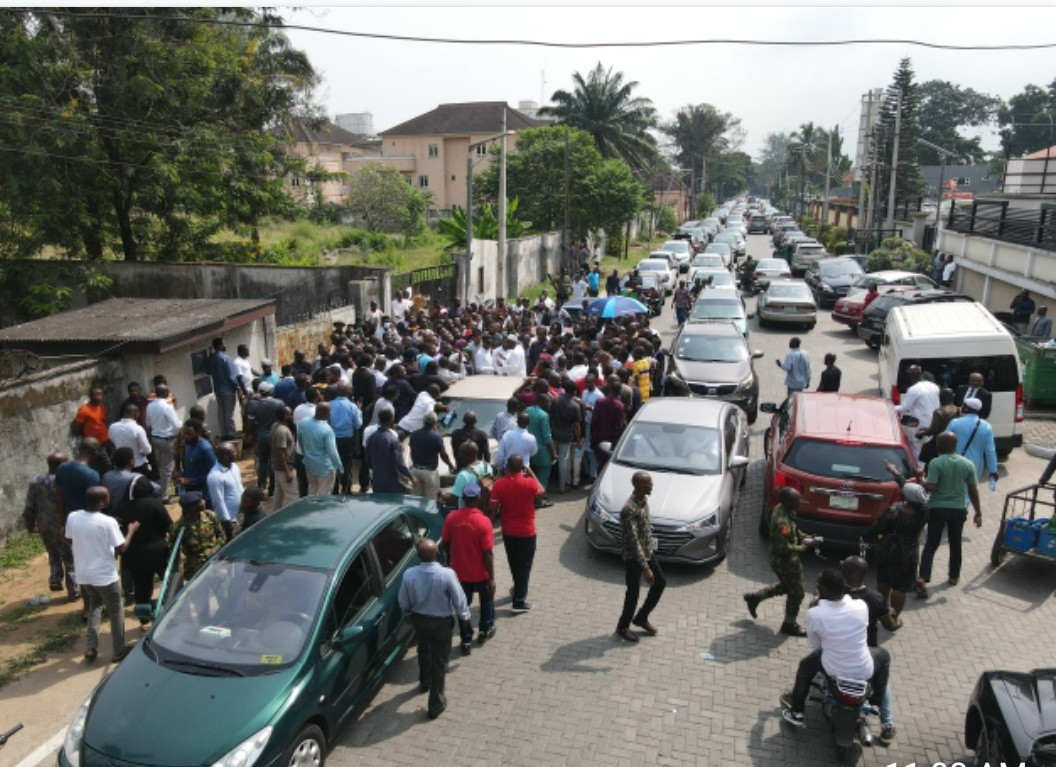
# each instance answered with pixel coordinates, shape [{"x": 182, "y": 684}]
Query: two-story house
[
  {"x": 431, "y": 150},
  {"x": 329, "y": 148}
]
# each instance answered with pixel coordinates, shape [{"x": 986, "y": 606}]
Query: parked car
[
  {"x": 787, "y": 302},
  {"x": 711, "y": 359},
  {"x": 735, "y": 240},
  {"x": 832, "y": 448},
  {"x": 871, "y": 327},
  {"x": 724, "y": 249},
  {"x": 721, "y": 305},
  {"x": 697, "y": 453},
  {"x": 781, "y": 228},
  {"x": 680, "y": 250},
  {"x": 757, "y": 224},
  {"x": 769, "y": 269},
  {"x": 1010, "y": 718},
  {"x": 720, "y": 278},
  {"x": 484, "y": 395},
  {"x": 893, "y": 277},
  {"x": 831, "y": 278},
  {"x": 848, "y": 310},
  {"x": 806, "y": 252},
  {"x": 660, "y": 263},
  {"x": 711, "y": 261},
  {"x": 263, "y": 656}
]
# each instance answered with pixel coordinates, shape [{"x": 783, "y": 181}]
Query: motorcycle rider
[
  {"x": 837, "y": 627},
  {"x": 747, "y": 270}
]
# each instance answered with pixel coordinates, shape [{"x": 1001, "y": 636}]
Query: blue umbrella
[{"x": 616, "y": 306}]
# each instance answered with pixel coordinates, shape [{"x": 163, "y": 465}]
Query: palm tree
[{"x": 603, "y": 106}]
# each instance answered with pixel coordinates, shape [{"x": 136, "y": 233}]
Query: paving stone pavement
[{"x": 555, "y": 687}]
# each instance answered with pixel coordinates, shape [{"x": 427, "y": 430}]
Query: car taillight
[
  {"x": 896, "y": 395},
  {"x": 1020, "y": 410},
  {"x": 787, "y": 480}
]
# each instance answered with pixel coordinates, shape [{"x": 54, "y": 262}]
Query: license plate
[{"x": 844, "y": 502}]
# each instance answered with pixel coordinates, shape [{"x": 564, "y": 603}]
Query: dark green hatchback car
[{"x": 264, "y": 655}]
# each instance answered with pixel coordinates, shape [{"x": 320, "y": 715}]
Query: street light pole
[
  {"x": 465, "y": 276},
  {"x": 894, "y": 162},
  {"x": 501, "y": 288}
]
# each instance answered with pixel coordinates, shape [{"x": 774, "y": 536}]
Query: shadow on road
[
  {"x": 750, "y": 640},
  {"x": 580, "y": 655}
]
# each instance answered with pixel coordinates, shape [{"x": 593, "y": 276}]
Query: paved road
[{"x": 556, "y": 688}]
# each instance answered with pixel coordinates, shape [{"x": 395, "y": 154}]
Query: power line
[{"x": 542, "y": 43}]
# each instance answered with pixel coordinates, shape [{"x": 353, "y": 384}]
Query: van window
[{"x": 999, "y": 372}]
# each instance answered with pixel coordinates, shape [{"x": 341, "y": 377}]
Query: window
[
  {"x": 480, "y": 279},
  {"x": 423, "y": 182},
  {"x": 434, "y": 150},
  {"x": 452, "y": 176},
  {"x": 1000, "y": 372},
  {"x": 295, "y": 181},
  {"x": 392, "y": 544},
  {"x": 354, "y": 592},
  {"x": 482, "y": 150},
  {"x": 841, "y": 460}
]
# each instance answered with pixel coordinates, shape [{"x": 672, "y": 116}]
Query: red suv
[{"x": 832, "y": 448}]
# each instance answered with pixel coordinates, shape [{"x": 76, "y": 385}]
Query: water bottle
[
  {"x": 993, "y": 484},
  {"x": 449, "y": 416}
]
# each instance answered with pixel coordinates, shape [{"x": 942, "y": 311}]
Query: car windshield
[
  {"x": 700, "y": 348},
  {"x": 485, "y": 409},
  {"x": 847, "y": 459},
  {"x": 726, "y": 309},
  {"x": 675, "y": 247},
  {"x": 772, "y": 263},
  {"x": 711, "y": 261},
  {"x": 718, "y": 247},
  {"x": 649, "y": 265},
  {"x": 863, "y": 281},
  {"x": 718, "y": 278},
  {"x": 681, "y": 448},
  {"x": 842, "y": 269},
  {"x": 726, "y": 237},
  {"x": 787, "y": 290},
  {"x": 239, "y": 619}
]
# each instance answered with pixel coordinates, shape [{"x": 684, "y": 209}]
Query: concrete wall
[
  {"x": 309, "y": 334},
  {"x": 36, "y": 412},
  {"x": 300, "y": 292},
  {"x": 528, "y": 260},
  {"x": 993, "y": 271}
]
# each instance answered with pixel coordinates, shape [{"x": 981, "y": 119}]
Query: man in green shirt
[{"x": 951, "y": 481}]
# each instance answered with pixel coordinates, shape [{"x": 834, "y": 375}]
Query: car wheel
[
  {"x": 724, "y": 544},
  {"x": 872, "y": 345},
  {"x": 753, "y": 416},
  {"x": 980, "y": 747},
  {"x": 811, "y": 326},
  {"x": 308, "y": 748}
]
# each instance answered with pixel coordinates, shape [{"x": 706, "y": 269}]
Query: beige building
[
  {"x": 431, "y": 150},
  {"x": 329, "y": 148}
]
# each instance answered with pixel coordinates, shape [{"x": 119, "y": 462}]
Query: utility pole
[
  {"x": 894, "y": 162},
  {"x": 828, "y": 177},
  {"x": 465, "y": 276},
  {"x": 565, "y": 255},
  {"x": 501, "y": 288},
  {"x": 868, "y": 133},
  {"x": 703, "y": 181}
]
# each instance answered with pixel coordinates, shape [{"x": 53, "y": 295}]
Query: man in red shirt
[
  {"x": 513, "y": 497},
  {"x": 470, "y": 543},
  {"x": 90, "y": 420},
  {"x": 607, "y": 422}
]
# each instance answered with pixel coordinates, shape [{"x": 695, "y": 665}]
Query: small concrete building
[{"x": 148, "y": 337}]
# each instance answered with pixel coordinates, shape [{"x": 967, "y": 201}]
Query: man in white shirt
[
  {"x": 400, "y": 306},
  {"x": 837, "y": 631},
  {"x": 425, "y": 402},
  {"x": 128, "y": 433},
  {"x": 484, "y": 358},
  {"x": 579, "y": 290},
  {"x": 920, "y": 401},
  {"x": 164, "y": 425},
  {"x": 244, "y": 368},
  {"x": 96, "y": 541},
  {"x": 510, "y": 360},
  {"x": 225, "y": 487}
]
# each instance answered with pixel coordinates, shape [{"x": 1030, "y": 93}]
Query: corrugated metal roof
[{"x": 149, "y": 320}]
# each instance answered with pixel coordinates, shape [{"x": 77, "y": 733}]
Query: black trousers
[
  {"x": 811, "y": 666},
  {"x": 302, "y": 475},
  {"x": 343, "y": 482},
  {"x": 634, "y": 584},
  {"x": 520, "y": 553},
  {"x": 434, "y": 650}
]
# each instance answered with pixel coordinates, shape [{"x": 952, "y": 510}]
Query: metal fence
[
  {"x": 869, "y": 239},
  {"x": 439, "y": 283},
  {"x": 998, "y": 220}
]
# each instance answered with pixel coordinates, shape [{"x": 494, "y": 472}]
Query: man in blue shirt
[
  {"x": 429, "y": 594},
  {"x": 975, "y": 438},
  {"x": 517, "y": 442},
  {"x": 796, "y": 366},
  {"x": 318, "y": 446},
  {"x": 226, "y": 387},
  {"x": 225, "y": 487},
  {"x": 73, "y": 478},
  {"x": 198, "y": 459},
  {"x": 345, "y": 419}
]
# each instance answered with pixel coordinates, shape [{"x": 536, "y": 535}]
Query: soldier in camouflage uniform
[
  {"x": 203, "y": 534},
  {"x": 41, "y": 517},
  {"x": 639, "y": 560},
  {"x": 786, "y": 544}
]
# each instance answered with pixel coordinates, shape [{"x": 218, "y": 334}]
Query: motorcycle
[
  {"x": 651, "y": 297},
  {"x": 749, "y": 285},
  {"x": 843, "y": 702}
]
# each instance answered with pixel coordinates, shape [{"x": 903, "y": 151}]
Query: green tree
[
  {"x": 701, "y": 133},
  {"x": 603, "y": 193},
  {"x": 145, "y": 135},
  {"x": 770, "y": 167},
  {"x": 604, "y": 106},
  {"x": 909, "y": 184},
  {"x": 485, "y": 225},
  {"x": 1027, "y": 120},
  {"x": 946, "y": 108},
  {"x": 383, "y": 201},
  {"x": 896, "y": 253}
]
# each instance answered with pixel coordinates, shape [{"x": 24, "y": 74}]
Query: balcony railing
[{"x": 998, "y": 220}]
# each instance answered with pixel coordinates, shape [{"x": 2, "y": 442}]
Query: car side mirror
[
  {"x": 757, "y": 354},
  {"x": 768, "y": 407},
  {"x": 347, "y": 635},
  {"x": 738, "y": 462},
  {"x": 606, "y": 447}
]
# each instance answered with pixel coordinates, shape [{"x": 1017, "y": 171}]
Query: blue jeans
[
  {"x": 681, "y": 314},
  {"x": 487, "y": 608},
  {"x": 886, "y": 717}
]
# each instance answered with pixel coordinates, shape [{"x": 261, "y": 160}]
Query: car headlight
[
  {"x": 746, "y": 384},
  {"x": 827, "y": 288},
  {"x": 246, "y": 753},
  {"x": 595, "y": 510},
  {"x": 75, "y": 735},
  {"x": 704, "y": 523}
]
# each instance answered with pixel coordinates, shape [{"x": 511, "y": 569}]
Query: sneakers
[
  {"x": 793, "y": 629},
  {"x": 794, "y": 718},
  {"x": 467, "y": 648},
  {"x": 523, "y": 607},
  {"x": 483, "y": 635},
  {"x": 627, "y": 635},
  {"x": 887, "y": 734},
  {"x": 786, "y": 699},
  {"x": 753, "y": 604}
]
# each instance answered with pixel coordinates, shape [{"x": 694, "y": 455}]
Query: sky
[{"x": 771, "y": 89}]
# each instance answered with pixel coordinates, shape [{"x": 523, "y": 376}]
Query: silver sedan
[
  {"x": 787, "y": 302},
  {"x": 697, "y": 453}
]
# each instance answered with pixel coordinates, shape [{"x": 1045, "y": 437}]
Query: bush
[
  {"x": 666, "y": 220},
  {"x": 896, "y": 253},
  {"x": 614, "y": 245}
]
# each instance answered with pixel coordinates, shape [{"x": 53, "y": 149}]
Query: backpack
[{"x": 486, "y": 482}]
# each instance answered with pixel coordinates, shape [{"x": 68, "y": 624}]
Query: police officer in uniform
[{"x": 786, "y": 544}]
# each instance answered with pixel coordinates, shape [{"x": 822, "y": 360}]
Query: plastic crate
[
  {"x": 1047, "y": 542},
  {"x": 1021, "y": 534}
]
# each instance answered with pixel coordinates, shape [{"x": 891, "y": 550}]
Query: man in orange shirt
[{"x": 90, "y": 420}]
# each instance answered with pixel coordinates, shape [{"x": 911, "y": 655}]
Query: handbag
[{"x": 971, "y": 437}]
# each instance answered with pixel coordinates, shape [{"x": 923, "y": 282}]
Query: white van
[{"x": 951, "y": 341}]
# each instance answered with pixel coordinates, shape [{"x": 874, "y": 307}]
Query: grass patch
[
  {"x": 19, "y": 550},
  {"x": 58, "y": 639}
]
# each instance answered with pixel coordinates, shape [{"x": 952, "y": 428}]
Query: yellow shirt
[{"x": 642, "y": 372}]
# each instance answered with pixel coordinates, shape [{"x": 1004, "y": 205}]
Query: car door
[
  {"x": 345, "y": 667},
  {"x": 394, "y": 548}
]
